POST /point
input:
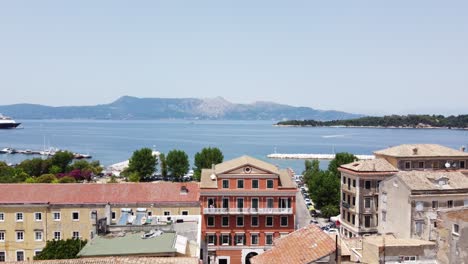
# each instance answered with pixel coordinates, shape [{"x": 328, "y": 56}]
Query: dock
[
  {"x": 313, "y": 156},
  {"x": 48, "y": 152}
]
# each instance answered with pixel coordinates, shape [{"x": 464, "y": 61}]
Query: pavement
[{"x": 302, "y": 213}]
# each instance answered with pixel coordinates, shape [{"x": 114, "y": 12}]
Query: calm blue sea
[{"x": 114, "y": 141}]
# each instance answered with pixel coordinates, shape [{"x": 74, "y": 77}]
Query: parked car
[
  {"x": 332, "y": 231},
  {"x": 307, "y": 200},
  {"x": 313, "y": 221}
]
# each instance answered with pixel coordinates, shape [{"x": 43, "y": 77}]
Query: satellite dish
[
  {"x": 213, "y": 177},
  {"x": 447, "y": 165}
]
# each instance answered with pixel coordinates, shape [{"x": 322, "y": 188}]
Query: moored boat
[{"x": 6, "y": 122}]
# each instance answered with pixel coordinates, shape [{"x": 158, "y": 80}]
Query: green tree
[
  {"x": 330, "y": 210},
  {"x": 30, "y": 180},
  {"x": 61, "y": 249},
  {"x": 162, "y": 159},
  {"x": 134, "y": 177},
  {"x": 46, "y": 178},
  {"x": 324, "y": 189},
  {"x": 205, "y": 159},
  {"x": 177, "y": 163},
  {"x": 83, "y": 165},
  {"x": 62, "y": 159},
  {"x": 312, "y": 167},
  {"x": 112, "y": 179},
  {"x": 340, "y": 159},
  {"x": 54, "y": 169},
  {"x": 143, "y": 162},
  {"x": 11, "y": 175},
  {"x": 66, "y": 179},
  {"x": 35, "y": 167}
]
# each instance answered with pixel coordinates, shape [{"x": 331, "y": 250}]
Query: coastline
[{"x": 379, "y": 127}]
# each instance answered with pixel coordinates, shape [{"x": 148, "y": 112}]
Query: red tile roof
[
  {"x": 91, "y": 193},
  {"x": 118, "y": 260},
  {"x": 305, "y": 245}
]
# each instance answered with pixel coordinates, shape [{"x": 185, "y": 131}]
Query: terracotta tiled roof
[
  {"x": 285, "y": 179},
  {"x": 375, "y": 165},
  {"x": 162, "y": 192},
  {"x": 305, "y": 245},
  {"x": 118, "y": 260},
  {"x": 421, "y": 150},
  {"x": 430, "y": 180},
  {"x": 206, "y": 181}
]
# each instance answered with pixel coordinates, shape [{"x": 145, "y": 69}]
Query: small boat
[
  {"x": 6, "y": 151},
  {"x": 6, "y": 122}
]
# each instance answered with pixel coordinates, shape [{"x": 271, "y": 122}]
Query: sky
[{"x": 368, "y": 57}]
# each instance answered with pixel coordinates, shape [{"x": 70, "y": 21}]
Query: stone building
[{"x": 452, "y": 236}]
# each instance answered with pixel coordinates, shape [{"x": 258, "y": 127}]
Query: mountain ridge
[{"x": 130, "y": 107}]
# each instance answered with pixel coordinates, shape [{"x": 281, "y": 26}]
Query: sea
[{"x": 114, "y": 141}]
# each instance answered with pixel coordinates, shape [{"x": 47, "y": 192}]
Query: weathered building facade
[{"x": 246, "y": 204}]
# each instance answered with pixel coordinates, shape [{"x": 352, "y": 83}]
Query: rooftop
[
  {"x": 421, "y": 150},
  {"x": 375, "y": 165},
  {"x": 391, "y": 241},
  {"x": 434, "y": 180},
  {"x": 305, "y": 245},
  {"x": 225, "y": 167},
  {"x": 90, "y": 193},
  {"x": 118, "y": 260},
  {"x": 132, "y": 244}
]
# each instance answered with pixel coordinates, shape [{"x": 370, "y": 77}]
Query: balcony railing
[{"x": 247, "y": 210}]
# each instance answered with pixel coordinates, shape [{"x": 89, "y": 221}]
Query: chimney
[
  {"x": 183, "y": 189},
  {"x": 415, "y": 151}
]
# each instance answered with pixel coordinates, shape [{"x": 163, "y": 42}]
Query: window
[
  {"x": 269, "y": 239},
  {"x": 421, "y": 164},
  {"x": 37, "y": 216},
  {"x": 455, "y": 229},
  {"x": 76, "y": 235},
  {"x": 408, "y": 258},
  {"x": 450, "y": 203},
  {"x": 225, "y": 184},
  {"x": 284, "y": 221},
  {"x": 210, "y": 221},
  {"x": 225, "y": 221},
  {"x": 226, "y": 203},
  {"x": 57, "y": 235},
  {"x": 419, "y": 227},
  {"x": 367, "y": 203},
  {"x": 167, "y": 213},
  {"x": 462, "y": 164},
  {"x": 19, "y": 255},
  {"x": 344, "y": 196},
  {"x": 19, "y": 236},
  {"x": 349, "y": 199},
  {"x": 254, "y": 239},
  {"x": 150, "y": 213},
  {"x": 75, "y": 216},
  {"x": 240, "y": 203},
  {"x": 254, "y": 220},
  {"x": 225, "y": 239},
  {"x": 2, "y": 257},
  {"x": 367, "y": 221},
  {"x": 113, "y": 216},
  {"x": 349, "y": 183},
  {"x": 269, "y": 221},
  {"x": 56, "y": 216},
  {"x": 419, "y": 206},
  {"x": 37, "y": 252},
  {"x": 435, "y": 165},
  {"x": 255, "y": 184},
  {"x": 354, "y": 183},
  {"x": 19, "y": 217},
  {"x": 38, "y": 235},
  {"x": 384, "y": 216},
  {"x": 184, "y": 212},
  {"x": 368, "y": 185},
  {"x": 269, "y": 202},
  {"x": 240, "y": 184},
  {"x": 348, "y": 217},
  {"x": 269, "y": 184},
  {"x": 240, "y": 221},
  {"x": 353, "y": 219},
  {"x": 239, "y": 239},
  {"x": 344, "y": 180},
  {"x": 407, "y": 165},
  {"x": 255, "y": 203},
  {"x": 211, "y": 239},
  {"x": 354, "y": 200},
  {"x": 435, "y": 204},
  {"x": 2, "y": 217},
  {"x": 2, "y": 236}
]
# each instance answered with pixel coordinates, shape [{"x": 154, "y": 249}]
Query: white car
[
  {"x": 307, "y": 200},
  {"x": 332, "y": 231}
]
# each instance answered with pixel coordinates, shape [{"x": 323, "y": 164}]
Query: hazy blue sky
[{"x": 371, "y": 57}]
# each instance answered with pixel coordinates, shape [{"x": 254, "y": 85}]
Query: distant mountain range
[{"x": 132, "y": 108}]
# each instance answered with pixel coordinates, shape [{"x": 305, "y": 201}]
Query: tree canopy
[
  {"x": 62, "y": 159},
  {"x": 205, "y": 158},
  {"x": 163, "y": 164},
  {"x": 340, "y": 159},
  {"x": 61, "y": 249},
  {"x": 143, "y": 162},
  {"x": 177, "y": 163}
]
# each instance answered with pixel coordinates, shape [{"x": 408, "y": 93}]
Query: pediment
[{"x": 248, "y": 170}]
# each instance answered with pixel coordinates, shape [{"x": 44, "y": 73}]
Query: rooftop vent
[
  {"x": 183, "y": 189},
  {"x": 462, "y": 148},
  {"x": 415, "y": 151}
]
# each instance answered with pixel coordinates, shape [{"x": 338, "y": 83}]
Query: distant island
[
  {"x": 394, "y": 121},
  {"x": 133, "y": 108}
]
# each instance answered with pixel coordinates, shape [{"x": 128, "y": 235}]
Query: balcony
[{"x": 254, "y": 211}]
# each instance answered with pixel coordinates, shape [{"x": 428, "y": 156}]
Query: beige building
[
  {"x": 31, "y": 214},
  {"x": 452, "y": 236},
  {"x": 410, "y": 201},
  {"x": 359, "y": 195},
  {"x": 360, "y": 180}
]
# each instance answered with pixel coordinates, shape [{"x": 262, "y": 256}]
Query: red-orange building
[{"x": 245, "y": 204}]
